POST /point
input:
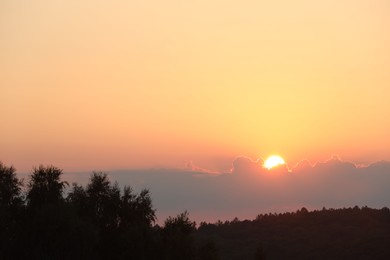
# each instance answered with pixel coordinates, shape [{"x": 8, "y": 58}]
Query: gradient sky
[{"x": 138, "y": 84}]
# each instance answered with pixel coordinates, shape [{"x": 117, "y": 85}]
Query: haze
[{"x": 98, "y": 85}]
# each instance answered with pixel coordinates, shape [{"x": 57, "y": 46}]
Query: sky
[{"x": 108, "y": 85}]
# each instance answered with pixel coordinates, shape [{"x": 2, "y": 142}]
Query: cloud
[
  {"x": 302, "y": 166},
  {"x": 249, "y": 189},
  {"x": 190, "y": 166},
  {"x": 335, "y": 164},
  {"x": 245, "y": 165}
]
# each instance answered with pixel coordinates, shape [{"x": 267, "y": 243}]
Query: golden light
[{"x": 273, "y": 161}]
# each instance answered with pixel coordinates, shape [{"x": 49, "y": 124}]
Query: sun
[{"x": 273, "y": 161}]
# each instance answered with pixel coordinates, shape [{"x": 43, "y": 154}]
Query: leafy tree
[
  {"x": 78, "y": 199},
  {"x": 50, "y": 228},
  {"x": 136, "y": 209},
  {"x": 123, "y": 221},
  {"x": 45, "y": 186},
  {"x": 11, "y": 205},
  {"x": 136, "y": 216},
  {"x": 104, "y": 200},
  {"x": 10, "y": 186},
  {"x": 177, "y": 237}
]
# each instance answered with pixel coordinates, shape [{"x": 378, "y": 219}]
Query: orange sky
[{"x": 126, "y": 84}]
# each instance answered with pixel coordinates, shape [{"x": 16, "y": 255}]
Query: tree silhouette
[
  {"x": 78, "y": 200},
  {"x": 136, "y": 216},
  {"x": 51, "y": 229},
  {"x": 136, "y": 209},
  {"x": 177, "y": 237},
  {"x": 10, "y": 187},
  {"x": 103, "y": 199},
  {"x": 11, "y": 203},
  {"x": 45, "y": 186},
  {"x": 123, "y": 222}
]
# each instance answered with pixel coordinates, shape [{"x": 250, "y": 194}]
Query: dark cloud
[
  {"x": 249, "y": 189},
  {"x": 302, "y": 166},
  {"x": 245, "y": 165},
  {"x": 335, "y": 164}
]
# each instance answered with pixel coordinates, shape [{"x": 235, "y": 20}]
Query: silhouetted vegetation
[
  {"x": 101, "y": 221},
  {"x": 348, "y": 233}
]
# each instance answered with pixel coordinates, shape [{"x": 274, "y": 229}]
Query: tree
[
  {"x": 11, "y": 203},
  {"x": 123, "y": 221},
  {"x": 10, "y": 187},
  {"x": 45, "y": 186},
  {"x": 103, "y": 200},
  {"x": 136, "y": 216},
  {"x": 51, "y": 229},
  {"x": 177, "y": 237},
  {"x": 136, "y": 208},
  {"x": 98, "y": 204},
  {"x": 78, "y": 199}
]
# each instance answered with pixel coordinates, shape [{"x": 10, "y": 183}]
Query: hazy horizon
[
  {"x": 249, "y": 189},
  {"x": 192, "y": 89}
]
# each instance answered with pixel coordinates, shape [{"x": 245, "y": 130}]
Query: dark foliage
[
  {"x": 45, "y": 187},
  {"x": 99, "y": 221},
  {"x": 11, "y": 202},
  {"x": 177, "y": 237},
  {"x": 208, "y": 250},
  {"x": 348, "y": 233},
  {"x": 10, "y": 187}
]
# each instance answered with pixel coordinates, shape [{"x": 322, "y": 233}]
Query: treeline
[
  {"x": 101, "y": 221},
  {"x": 347, "y": 233},
  {"x": 98, "y": 221}
]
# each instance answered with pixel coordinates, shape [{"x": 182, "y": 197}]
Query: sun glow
[{"x": 273, "y": 161}]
